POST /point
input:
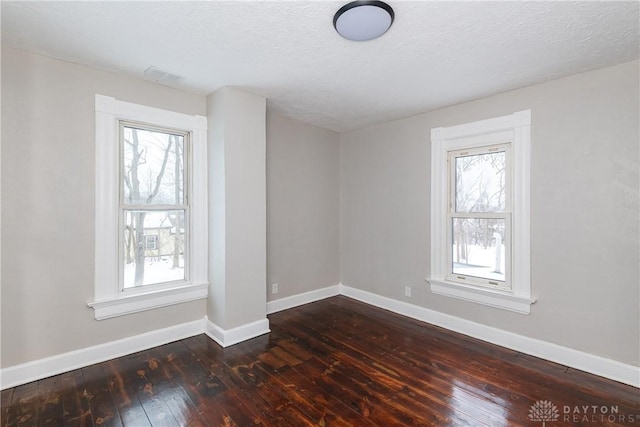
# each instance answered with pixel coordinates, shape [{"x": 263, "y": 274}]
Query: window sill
[
  {"x": 114, "y": 307},
  {"x": 491, "y": 297}
]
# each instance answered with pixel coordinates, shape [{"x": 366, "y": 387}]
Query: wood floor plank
[
  {"x": 304, "y": 391},
  {"x": 363, "y": 376},
  {"x": 336, "y": 362},
  {"x": 404, "y": 367},
  {"x": 239, "y": 375},
  {"x": 5, "y": 402},
  {"x": 76, "y": 408},
  {"x": 26, "y": 399},
  {"x": 124, "y": 392},
  {"x": 137, "y": 372},
  {"x": 97, "y": 395},
  {"x": 219, "y": 406},
  {"x": 51, "y": 402},
  {"x": 284, "y": 355},
  {"x": 172, "y": 390},
  {"x": 536, "y": 376},
  {"x": 506, "y": 379}
]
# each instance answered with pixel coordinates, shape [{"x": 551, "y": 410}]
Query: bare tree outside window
[{"x": 154, "y": 203}]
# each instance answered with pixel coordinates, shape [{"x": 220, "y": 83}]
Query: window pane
[
  {"x": 480, "y": 183},
  {"x": 153, "y": 247},
  {"x": 478, "y": 248},
  {"x": 153, "y": 167}
]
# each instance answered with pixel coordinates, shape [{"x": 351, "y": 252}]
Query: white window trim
[
  {"x": 514, "y": 128},
  {"x": 109, "y": 301}
]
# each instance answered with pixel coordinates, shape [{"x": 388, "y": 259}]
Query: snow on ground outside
[
  {"x": 480, "y": 262},
  {"x": 155, "y": 271}
]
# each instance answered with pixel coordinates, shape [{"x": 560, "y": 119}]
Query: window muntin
[
  {"x": 479, "y": 216},
  {"x": 153, "y": 203},
  {"x": 150, "y": 241}
]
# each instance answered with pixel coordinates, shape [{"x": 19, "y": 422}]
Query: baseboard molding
[
  {"x": 228, "y": 337},
  {"x": 54, "y": 365},
  {"x": 618, "y": 371},
  {"x": 43, "y": 368},
  {"x": 304, "y": 298}
]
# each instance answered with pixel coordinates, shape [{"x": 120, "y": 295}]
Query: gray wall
[
  {"x": 303, "y": 206},
  {"x": 237, "y": 207},
  {"x": 584, "y": 218},
  {"x": 48, "y": 132},
  {"x": 364, "y": 195}
]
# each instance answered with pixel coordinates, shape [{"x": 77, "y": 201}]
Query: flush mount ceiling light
[{"x": 363, "y": 20}]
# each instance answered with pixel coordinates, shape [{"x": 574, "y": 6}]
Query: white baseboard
[
  {"x": 43, "y": 368},
  {"x": 54, "y": 365},
  {"x": 304, "y": 298},
  {"x": 618, "y": 371},
  {"x": 228, "y": 337}
]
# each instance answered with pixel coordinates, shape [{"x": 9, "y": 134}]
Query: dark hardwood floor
[{"x": 334, "y": 362}]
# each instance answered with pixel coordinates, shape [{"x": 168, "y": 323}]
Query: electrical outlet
[
  {"x": 407, "y": 291},
  {"x": 274, "y": 288}
]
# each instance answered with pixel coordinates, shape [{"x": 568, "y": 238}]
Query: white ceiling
[{"x": 435, "y": 54}]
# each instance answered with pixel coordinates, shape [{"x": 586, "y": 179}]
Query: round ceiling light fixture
[{"x": 363, "y": 20}]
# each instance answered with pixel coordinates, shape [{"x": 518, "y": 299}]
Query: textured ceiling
[{"x": 435, "y": 54}]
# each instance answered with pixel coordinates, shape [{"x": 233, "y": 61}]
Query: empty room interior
[{"x": 290, "y": 213}]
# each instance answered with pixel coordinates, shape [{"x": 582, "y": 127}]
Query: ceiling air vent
[{"x": 162, "y": 77}]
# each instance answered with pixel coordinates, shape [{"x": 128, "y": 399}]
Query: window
[
  {"x": 479, "y": 220},
  {"x": 153, "y": 198},
  {"x": 480, "y": 212},
  {"x": 151, "y": 208},
  {"x": 150, "y": 243}
]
